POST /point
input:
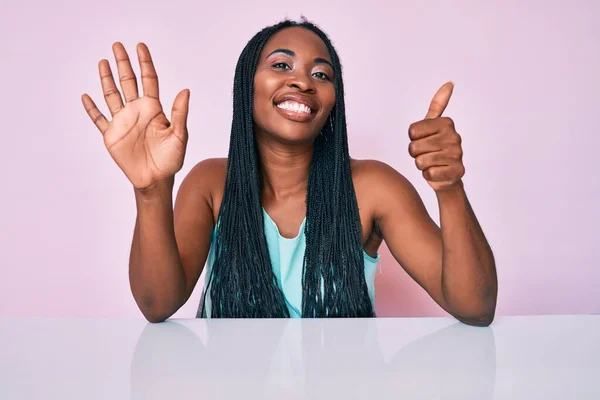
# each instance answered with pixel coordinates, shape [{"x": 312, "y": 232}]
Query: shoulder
[
  {"x": 206, "y": 181},
  {"x": 376, "y": 175},
  {"x": 210, "y": 169},
  {"x": 378, "y": 185}
]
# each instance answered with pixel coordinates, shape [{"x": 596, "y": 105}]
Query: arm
[
  {"x": 469, "y": 280},
  {"x": 454, "y": 264},
  {"x": 170, "y": 247}
]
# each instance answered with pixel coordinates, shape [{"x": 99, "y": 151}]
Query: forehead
[{"x": 300, "y": 40}]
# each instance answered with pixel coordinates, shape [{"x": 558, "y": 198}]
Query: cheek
[
  {"x": 264, "y": 89},
  {"x": 260, "y": 101},
  {"x": 259, "y": 92},
  {"x": 265, "y": 85},
  {"x": 328, "y": 99}
]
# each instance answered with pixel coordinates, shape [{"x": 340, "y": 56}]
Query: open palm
[{"x": 140, "y": 138}]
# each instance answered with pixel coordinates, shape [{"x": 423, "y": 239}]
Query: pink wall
[{"x": 525, "y": 103}]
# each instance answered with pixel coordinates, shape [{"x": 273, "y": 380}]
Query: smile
[
  {"x": 295, "y": 106},
  {"x": 295, "y": 111}
]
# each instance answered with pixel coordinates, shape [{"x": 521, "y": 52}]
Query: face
[{"x": 293, "y": 86}]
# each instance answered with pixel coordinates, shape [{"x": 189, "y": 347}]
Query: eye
[
  {"x": 322, "y": 75},
  {"x": 281, "y": 65}
]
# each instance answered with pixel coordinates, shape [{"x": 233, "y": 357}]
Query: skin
[{"x": 453, "y": 262}]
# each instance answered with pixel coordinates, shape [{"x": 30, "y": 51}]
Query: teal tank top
[{"x": 287, "y": 259}]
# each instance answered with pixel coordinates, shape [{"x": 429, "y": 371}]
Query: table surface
[{"x": 529, "y": 357}]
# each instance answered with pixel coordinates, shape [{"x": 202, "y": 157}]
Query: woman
[{"x": 290, "y": 224}]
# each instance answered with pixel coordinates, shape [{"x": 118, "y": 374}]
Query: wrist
[
  {"x": 454, "y": 192},
  {"x": 159, "y": 190}
]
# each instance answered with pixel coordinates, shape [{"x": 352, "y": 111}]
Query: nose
[{"x": 301, "y": 81}]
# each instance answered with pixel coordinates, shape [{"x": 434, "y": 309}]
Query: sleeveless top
[{"x": 287, "y": 260}]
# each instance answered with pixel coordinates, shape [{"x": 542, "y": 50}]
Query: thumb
[
  {"x": 440, "y": 101},
  {"x": 179, "y": 113}
]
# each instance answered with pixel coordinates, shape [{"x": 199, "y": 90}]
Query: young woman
[{"x": 290, "y": 224}]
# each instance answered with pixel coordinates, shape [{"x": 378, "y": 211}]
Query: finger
[
  {"x": 437, "y": 173},
  {"x": 425, "y": 145},
  {"x": 428, "y": 127},
  {"x": 149, "y": 76},
  {"x": 97, "y": 118},
  {"x": 179, "y": 114},
  {"x": 444, "y": 173},
  {"x": 433, "y": 159},
  {"x": 440, "y": 101},
  {"x": 127, "y": 77},
  {"x": 109, "y": 89}
]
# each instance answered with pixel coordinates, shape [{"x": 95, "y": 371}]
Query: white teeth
[{"x": 294, "y": 106}]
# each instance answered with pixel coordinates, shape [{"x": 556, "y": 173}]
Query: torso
[{"x": 289, "y": 215}]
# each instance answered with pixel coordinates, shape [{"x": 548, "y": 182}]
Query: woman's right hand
[{"x": 140, "y": 138}]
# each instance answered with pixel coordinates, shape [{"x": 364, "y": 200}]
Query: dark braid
[{"x": 242, "y": 282}]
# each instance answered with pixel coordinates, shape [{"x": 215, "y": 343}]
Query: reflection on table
[{"x": 423, "y": 358}]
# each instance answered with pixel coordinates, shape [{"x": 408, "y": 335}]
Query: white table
[{"x": 537, "y": 357}]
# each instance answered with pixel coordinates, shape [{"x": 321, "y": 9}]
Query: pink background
[{"x": 525, "y": 103}]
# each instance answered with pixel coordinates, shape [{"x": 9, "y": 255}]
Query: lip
[{"x": 297, "y": 116}]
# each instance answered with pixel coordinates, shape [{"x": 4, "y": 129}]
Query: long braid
[{"x": 242, "y": 282}]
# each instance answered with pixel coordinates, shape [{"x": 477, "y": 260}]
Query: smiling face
[{"x": 293, "y": 86}]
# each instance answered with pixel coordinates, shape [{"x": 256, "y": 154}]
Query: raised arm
[
  {"x": 168, "y": 248},
  {"x": 454, "y": 264}
]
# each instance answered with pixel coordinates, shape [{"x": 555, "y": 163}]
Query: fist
[{"x": 436, "y": 146}]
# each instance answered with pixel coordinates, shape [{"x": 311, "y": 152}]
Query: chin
[
  {"x": 287, "y": 129},
  {"x": 296, "y": 134},
  {"x": 291, "y": 131}
]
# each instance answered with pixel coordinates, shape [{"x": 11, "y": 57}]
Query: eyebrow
[{"x": 290, "y": 53}]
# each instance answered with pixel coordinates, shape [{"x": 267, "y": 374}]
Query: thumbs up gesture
[{"x": 436, "y": 146}]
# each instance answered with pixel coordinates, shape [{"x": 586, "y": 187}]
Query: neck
[{"x": 284, "y": 168}]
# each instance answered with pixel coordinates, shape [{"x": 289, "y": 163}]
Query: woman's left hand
[{"x": 436, "y": 146}]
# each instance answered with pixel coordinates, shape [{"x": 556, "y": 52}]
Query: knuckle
[
  {"x": 429, "y": 173},
  {"x": 412, "y": 130},
  {"x": 448, "y": 122},
  {"x": 127, "y": 77},
  {"x": 426, "y": 175},
  {"x": 110, "y": 92},
  {"x": 419, "y": 162},
  {"x": 412, "y": 149},
  {"x": 150, "y": 76},
  {"x": 458, "y": 138}
]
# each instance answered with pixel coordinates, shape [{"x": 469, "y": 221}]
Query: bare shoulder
[
  {"x": 378, "y": 185},
  {"x": 206, "y": 180},
  {"x": 377, "y": 176},
  {"x": 374, "y": 172},
  {"x": 209, "y": 168}
]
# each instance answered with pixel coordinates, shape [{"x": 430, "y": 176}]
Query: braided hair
[{"x": 242, "y": 283}]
